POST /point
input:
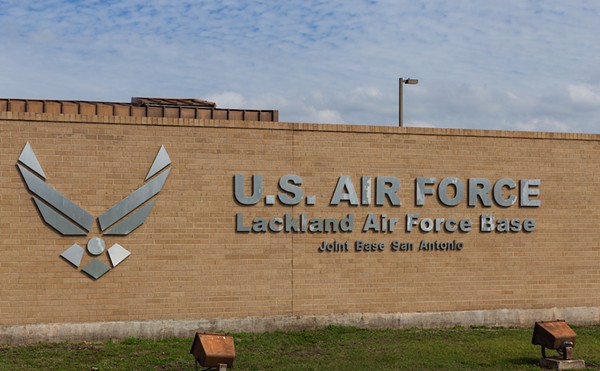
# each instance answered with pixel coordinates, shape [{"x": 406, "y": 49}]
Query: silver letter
[
  {"x": 239, "y": 223},
  {"x": 257, "y": 189},
  {"x": 366, "y": 190},
  {"x": 483, "y": 192},
  {"x": 381, "y": 191},
  {"x": 289, "y": 183},
  {"x": 511, "y": 199},
  {"x": 422, "y": 190},
  {"x": 458, "y": 186},
  {"x": 526, "y": 191},
  {"x": 411, "y": 221},
  {"x": 339, "y": 195}
]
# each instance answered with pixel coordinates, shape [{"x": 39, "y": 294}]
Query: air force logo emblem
[{"x": 69, "y": 219}]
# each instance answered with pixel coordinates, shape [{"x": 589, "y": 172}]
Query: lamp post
[{"x": 400, "y": 93}]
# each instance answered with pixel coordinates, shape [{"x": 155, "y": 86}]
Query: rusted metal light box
[
  {"x": 554, "y": 335},
  {"x": 212, "y": 350}
]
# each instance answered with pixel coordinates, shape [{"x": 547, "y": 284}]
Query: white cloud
[
  {"x": 585, "y": 95},
  {"x": 228, "y": 99},
  {"x": 366, "y": 91},
  {"x": 43, "y": 37},
  {"x": 326, "y": 116},
  {"x": 542, "y": 124}
]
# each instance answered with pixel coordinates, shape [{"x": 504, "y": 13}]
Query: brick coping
[{"x": 290, "y": 126}]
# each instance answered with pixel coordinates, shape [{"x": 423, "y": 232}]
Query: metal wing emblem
[
  {"x": 56, "y": 210},
  {"x": 71, "y": 220},
  {"x": 122, "y": 216}
]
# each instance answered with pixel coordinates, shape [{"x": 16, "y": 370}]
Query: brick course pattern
[{"x": 188, "y": 262}]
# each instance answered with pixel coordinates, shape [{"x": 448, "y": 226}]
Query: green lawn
[{"x": 331, "y": 348}]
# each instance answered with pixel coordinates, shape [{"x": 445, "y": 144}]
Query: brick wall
[{"x": 188, "y": 262}]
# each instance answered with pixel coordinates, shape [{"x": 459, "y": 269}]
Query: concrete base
[
  {"x": 562, "y": 364},
  {"x": 97, "y": 331}
]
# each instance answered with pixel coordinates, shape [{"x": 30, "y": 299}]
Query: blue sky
[{"x": 481, "y": 64}]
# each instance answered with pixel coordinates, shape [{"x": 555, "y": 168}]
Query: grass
[{"x": 330, "y": 348}]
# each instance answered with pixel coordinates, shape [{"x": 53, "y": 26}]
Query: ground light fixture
[
  {"x": 213, "y": 351},
  {"x": 401, "y": 82},
  {"x": 556, "y": 335}
]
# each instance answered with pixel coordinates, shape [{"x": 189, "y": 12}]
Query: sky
[{"x": 530, "y": 65}]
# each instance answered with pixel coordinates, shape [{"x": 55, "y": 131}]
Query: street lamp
[{"x": 400, "y": 83}]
